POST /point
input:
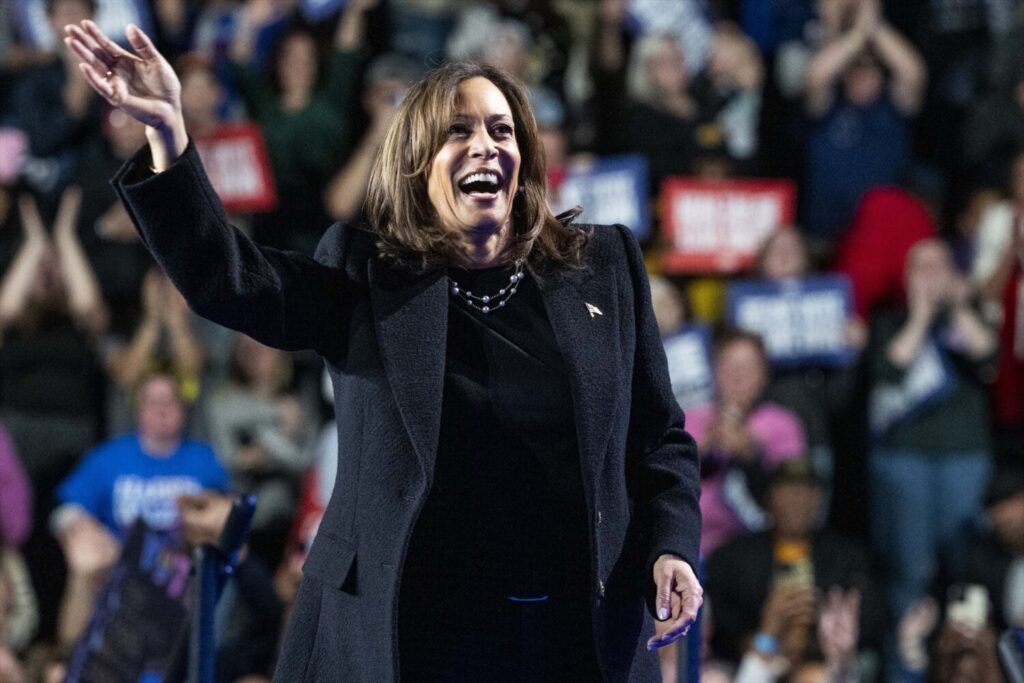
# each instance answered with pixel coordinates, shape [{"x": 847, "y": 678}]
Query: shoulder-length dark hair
[{"x": 397, "y": 204}]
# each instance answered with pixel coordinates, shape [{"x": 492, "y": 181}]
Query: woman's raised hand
[{"x": 143, "y": 84}]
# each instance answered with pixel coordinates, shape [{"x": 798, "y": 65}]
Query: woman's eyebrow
[{"x": 490, "y": 118}]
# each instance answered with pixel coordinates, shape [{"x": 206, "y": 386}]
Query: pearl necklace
[{"x": 490, "y": 302}]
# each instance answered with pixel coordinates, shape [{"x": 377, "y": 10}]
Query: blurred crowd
[{"x": 851, "y": 531}]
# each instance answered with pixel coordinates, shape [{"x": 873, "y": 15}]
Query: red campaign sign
[
  {"x": 716, "y": 226},
  {"x": 235, "y": 158}
]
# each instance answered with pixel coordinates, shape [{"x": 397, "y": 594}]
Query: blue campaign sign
[
  {"x": 929, "y": 379},
  {"x": 689, "y": 366},
  {"x": 610, "y": 190},
  {"x": 318, "y": 10},
  {"x": 138, "y": 613},
  {"x": 802, "y": 322},
  {"x": 691, "y": 20}
]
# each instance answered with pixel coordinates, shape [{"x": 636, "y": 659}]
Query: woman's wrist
[{"x": 167, "y": 142}]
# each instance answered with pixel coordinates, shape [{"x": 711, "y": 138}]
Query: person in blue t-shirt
[
  {"x": 862, "y": 88},
  {"x": 142, "y": 474}
]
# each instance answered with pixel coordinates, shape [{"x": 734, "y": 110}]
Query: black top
[{"x": 506, "y": 512}]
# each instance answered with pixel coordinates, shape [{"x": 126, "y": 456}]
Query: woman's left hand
[{"x": 679, "y": 597}]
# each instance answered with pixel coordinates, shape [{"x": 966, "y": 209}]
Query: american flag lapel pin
[{"x": 593, "y": 310}]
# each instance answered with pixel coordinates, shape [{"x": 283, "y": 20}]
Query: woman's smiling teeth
[{"x": 482, "y": 182}]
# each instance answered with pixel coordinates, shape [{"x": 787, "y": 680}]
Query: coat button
[
  {"x": 599, "y": 516},
  {"x": 600, "y": 588}
]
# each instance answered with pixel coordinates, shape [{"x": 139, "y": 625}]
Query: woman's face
[
  {"x": 740, "y": 374},
  {"x": 784, "y": 257},
  {"x": 666, "y": 69},
  {"x": 297, "y": 65},
  {"x": 475, "y": 175}
]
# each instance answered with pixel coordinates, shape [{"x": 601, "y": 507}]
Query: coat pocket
[{"x": 332, "y": 562}]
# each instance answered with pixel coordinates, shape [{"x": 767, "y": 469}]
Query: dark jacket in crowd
[
  {"x": 381, "y": 329},
  {"x": 740, "y": 576}
]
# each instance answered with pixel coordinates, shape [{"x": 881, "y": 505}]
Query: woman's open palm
[{"x": 142, "y": 84}]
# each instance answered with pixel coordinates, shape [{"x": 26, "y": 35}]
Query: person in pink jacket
[
  {"x": 15, "y": 496},
  {"x": 740, "y": 439}
]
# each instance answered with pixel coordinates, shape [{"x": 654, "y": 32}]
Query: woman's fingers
[
  {"x": 677, "y": 628},
  {"x": 86, "y": 55},
  {"x": 678, "y": 597},
  {"x": 83, "y": 45},
  {"x": 106, "y": 43},
  {"x": 100, "y": 84},
  {"x": 141, "y": 43}
]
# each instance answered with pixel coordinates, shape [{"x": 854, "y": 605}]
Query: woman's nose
[{"x": 481, "y": 145}]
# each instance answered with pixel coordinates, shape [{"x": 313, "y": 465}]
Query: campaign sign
[
  {"x": 235, "y": 158},
  {"x": 927, "y": 380},
  {"x": 802, "y": 322},
  {"x": 689, "y": 366},
  {"x": 138, "y": 614},
  {"x": 111, "y": 15},
  {"x": 718, "y": 226},
  {"x": 691, "y": 20},
  {"x": 610, "y": 190},
  {"x": 318, "y": 10}
]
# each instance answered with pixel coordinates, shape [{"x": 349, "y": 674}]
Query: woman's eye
[
  {"x": 503, "y": 130},
  {"x": 457, "y": 129}
]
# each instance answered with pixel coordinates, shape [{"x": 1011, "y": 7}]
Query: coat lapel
[
  {"x": 586, "y": 330},
  {"x": 411, "y": 315}
]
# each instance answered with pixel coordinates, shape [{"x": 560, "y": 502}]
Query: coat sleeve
[
  {"x": 664, "y": 468},
  {"x": 283, "y": 299}
]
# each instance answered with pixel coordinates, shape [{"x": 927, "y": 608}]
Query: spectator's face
[
  {"x": 201, "y": 95},
  {"x": 740, "y": 373},
  {"x": 666, "y": 70},
  {"x": 297, "y": 64},
  {"x": 794, "y": 507},
  {"x": 508, "y": 51},
  {"x": 1017, "y": 179},
  {"x": 836, "y": 16},
  {"x": 668, "y": 308},
  {"x": 814, "y": 672},
  {"x": 385, "y": 95},
  {"x": 258, "y": 362},
  {"x": 555, "y": 147},
  {"x": 124, "y": 133},
  {"x": 784, "y": 257},
  {"x": 1007, "y": 517},
  {"x": 863, "y": 83},
  {"x": 480, "y": 139},
  {"x": 66, "y": 12},
  {"x": 930, "y": 270},
  {"x": 48, "y": 287},
  {"x": 160, "y": 412}
]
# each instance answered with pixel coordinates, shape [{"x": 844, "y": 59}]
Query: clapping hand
[
  {"x": 203, "y": 516},
  {"x": 89, "y": 548},
  {"x": 839, "y": 626}
]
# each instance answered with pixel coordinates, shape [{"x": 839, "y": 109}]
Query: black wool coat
[{"x": 381, "y": 330}]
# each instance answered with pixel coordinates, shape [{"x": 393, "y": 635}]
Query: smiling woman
[
  {"x": 514, "y": 477},
  {"x": 462, "y": 119}
]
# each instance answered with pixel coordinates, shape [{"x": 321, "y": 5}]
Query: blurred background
[{"x": 829, "y": 194}]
